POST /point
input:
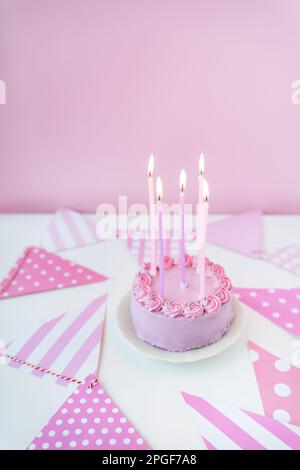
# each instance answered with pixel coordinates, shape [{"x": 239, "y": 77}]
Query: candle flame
[
  {"x": 205, "y": 191},
  {"x": 151, "y": 165},
  {"x": 159, "y": 189},
  {"x": 182, "y": 180},
  {"x": 201, "y": 164}
]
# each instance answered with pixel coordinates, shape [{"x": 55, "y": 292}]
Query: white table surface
[{"x": 147, "y": 391}]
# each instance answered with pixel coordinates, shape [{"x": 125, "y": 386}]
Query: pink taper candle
[
  {"x": 182, "y": 183},
  {"x": 152, "y": 217},
  {"x": 159, "y": 192},
  {"x": 200, "y": 201},
  {"x": 203, "y": 232}
]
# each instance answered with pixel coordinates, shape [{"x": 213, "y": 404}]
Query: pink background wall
[{"x": 94, "y": 86}]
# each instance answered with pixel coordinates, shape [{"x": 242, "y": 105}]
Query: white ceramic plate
[{"x": 126, "y": 329}]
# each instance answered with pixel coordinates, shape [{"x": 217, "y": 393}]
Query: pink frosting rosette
[
  {"x": 147, "y": 266},
  {"x": 193, "y": 310},
  {"x": 168, "y": 263},
  {"x": 217, "y": 270},
  {"x": 223, "y": 294},
  {"x": 144, "y": 279},
  {"x": 142, "y": 293},
  {"x": 226, "y": 283},
  {"x": 172, "y": 309},
  {"x": 188, "y": 261},
  {"x": 208, "y": 262},
  {"x": 212, "y": 304},
  {"x": 154, "y": 304}
]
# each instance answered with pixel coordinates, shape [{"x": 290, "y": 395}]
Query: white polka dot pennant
[
  {"x": 89, "y": 419},
  {"x": 38, "y": 270},
  {"x": 279, "y": 385},
  {"x": 281, "y": 306}
]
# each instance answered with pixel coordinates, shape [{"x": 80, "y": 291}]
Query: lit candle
[
  {"x": 200, "y": 200},
  {"x": 152, "y": 216},
  {"x": 159, "y": 192},
  {"x": 203, "y": 231},
  {"x": 182, "y": 183}
]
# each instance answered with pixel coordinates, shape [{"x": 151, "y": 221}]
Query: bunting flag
[
  {"x": 67, "y": 345},
  {"x": 241, "y": 233},
  {"x": 286, "y": 257},
  {"x": 208, "y": 444},
  {"x": 89, "y": 419},
  {"x": 38, "y": 271},
  {"x": 69, "y": 229},
  {"x": 228, "y": 428},
  {"x": 279, "y": 385},
  {"x": 281, "y": 306}
]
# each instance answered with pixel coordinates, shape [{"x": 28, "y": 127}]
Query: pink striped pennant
[
  {"x": 38, "y": 270},
  {"x": 279, "y": 384},
  {"x": 281, "y": 306},
  {"x": 69, "y": 229},
  {"x": 208, "y": 444},
  {"x": 68, "y": 344},
  {"x": 89, "y": 419},
  {"x": 228, "y": 428}
]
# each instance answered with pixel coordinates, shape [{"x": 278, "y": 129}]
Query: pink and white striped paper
[
  {"x": 279, "y": 385},
  {"x": 38, "y": 270},
  {"x": 68, "y": 344},
  {"x": 89, "y": 419},
  {"x": 228, "y": 428},
  {"x": 286, "y": 257},
  {"x": 281, "y": 306},
  {"x": 69, "y": 229}
]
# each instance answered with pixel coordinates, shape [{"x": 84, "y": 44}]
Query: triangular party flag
[
  {"x": 228, "y": 428},
  {"x": 69, "y": 229},
  {"x": 286, "y": 257},
  {"x": 89, "y": 419},
  {"x": 281, "y": 306},
  {"x": 208, "y": 444},
  {"x": 279, "y": 385},
  {"x": 64, "y": 349},
  {"x": 241, "y": 233},
  {"x": 38, "y": 270}
]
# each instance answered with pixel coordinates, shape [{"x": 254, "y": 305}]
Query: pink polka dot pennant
[
  {"x": 281, "y": 306},
  {"x": 38, "y": 270},
  {"x": 279, "y": 385},
  {"x": 88, "y": 419}
]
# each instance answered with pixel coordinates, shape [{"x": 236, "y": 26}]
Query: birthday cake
[{"x": 180, "y": 321}]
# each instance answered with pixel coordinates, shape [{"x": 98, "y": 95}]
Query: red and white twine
[{"x": 43, "y": 369}]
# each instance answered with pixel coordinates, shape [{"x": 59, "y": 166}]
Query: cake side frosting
[{"x": 181, "y": 321}]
